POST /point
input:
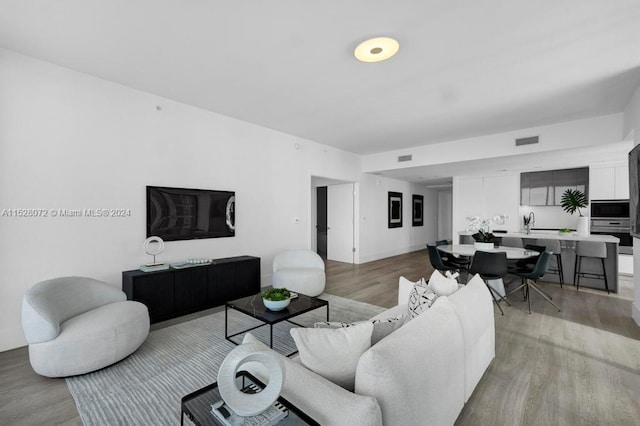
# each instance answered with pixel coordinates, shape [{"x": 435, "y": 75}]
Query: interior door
[
  {"x": 340, "y": 229},
  {"x": 321, "y": 221},
  {"x": 445, "y": 215}
]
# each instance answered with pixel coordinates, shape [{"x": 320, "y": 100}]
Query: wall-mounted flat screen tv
[
  {"x": 634, "y": 191},
  {"x": 187, "y": 214}
]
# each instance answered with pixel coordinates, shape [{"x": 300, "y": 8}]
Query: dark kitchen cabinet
[
  {"x": 546, "y": 188},
  {"x": 175, "y": 292}
]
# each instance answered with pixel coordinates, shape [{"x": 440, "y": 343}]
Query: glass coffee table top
[{"x": 253, "y": 306}]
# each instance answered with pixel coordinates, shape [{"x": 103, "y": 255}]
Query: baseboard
[
  {"x": 390, "y": 253},
  {"x": 266, "y": 280},
  {"x": 11, "y": 339},
  {"x": 635, "y": 312}
]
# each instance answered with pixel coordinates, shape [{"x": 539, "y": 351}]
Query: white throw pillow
[
  {"x": 421, "y": 298},
  {"x": 382, "y": 327},
  {"x": 333, "y": 353},
  {"x": 443, "y": 285}
]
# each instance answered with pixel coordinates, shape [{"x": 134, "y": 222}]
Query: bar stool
[
  {"x": 554, "y": 247},
  {"x": 592, "y": 249}
]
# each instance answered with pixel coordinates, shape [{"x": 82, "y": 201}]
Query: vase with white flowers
[{"x": 480, "y": 230}]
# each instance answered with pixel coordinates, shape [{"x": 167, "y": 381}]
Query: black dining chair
[
  {"x": 436, "y": 260},
  {"x": 490, "y": 266},
  {"x": 529, "y": 263},
  {"x": 530, "y": 278},
  {"x": 521, "y": 266},
  {"x": 458, "y": 262}
]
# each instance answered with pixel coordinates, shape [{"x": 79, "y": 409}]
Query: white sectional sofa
[{"x": 421, "y": 374}]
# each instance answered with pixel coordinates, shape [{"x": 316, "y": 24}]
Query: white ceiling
[{"x": 465, "y": 67}]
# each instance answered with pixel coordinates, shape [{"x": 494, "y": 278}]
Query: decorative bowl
[{"x": 276, "y": 305}]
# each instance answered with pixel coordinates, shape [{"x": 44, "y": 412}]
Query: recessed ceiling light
[{"x": 376, "y": 49}]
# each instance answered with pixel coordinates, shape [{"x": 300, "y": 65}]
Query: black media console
[{"x": 175, "y": 292}]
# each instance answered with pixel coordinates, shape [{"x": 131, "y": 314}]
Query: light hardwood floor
[
  {"x": 577, "y": 367},
  {"x": 580, "y": 366}
]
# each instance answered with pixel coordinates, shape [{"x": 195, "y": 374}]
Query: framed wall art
[
  {"x": 418, "y": 210},
  {"x": 395, "y": 209}
]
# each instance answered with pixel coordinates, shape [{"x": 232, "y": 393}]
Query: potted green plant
[
  {"x": 276, "y": 299},
  {"x": 572, "y": 201}
]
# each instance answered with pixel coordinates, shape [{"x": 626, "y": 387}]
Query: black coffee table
[
  {"x": 196, "y": 407},
  {"x": 253, "y": 306}
]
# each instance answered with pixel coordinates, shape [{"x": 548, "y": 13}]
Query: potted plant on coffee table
[
  {"x": 276, "y": 299},
  {"x": 572, "y": 201}
]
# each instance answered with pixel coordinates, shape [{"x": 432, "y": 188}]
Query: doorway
[
  {"x": 340, "y": 227},
  {"x": 445, "y": 214},
  {"x": 321, "y": 218},
  {"x": 332, "y": 219}
]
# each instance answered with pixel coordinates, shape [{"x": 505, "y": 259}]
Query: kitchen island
[{"x": 568, "y": 244}]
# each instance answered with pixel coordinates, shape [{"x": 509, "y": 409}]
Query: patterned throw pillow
[
  {"x": 421, "y": 298},
  {"x": 381, "y": 327}
]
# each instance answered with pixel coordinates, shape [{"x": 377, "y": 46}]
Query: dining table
[{"x": 468, "y": 250}]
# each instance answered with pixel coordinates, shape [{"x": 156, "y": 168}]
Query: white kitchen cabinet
[
  {"x": 501, "y": 197},
  {"x": 486, "y": 197},
  {"x": 467, "y": 200},
  {"x": 609, "y": 183},
  {"x": 621, "y": 190}
]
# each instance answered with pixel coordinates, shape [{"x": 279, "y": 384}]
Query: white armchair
[
  {"x": 75, "y": 325},
  {"x": 301, "y": 271}
]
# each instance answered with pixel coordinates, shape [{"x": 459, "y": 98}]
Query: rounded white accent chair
[
  {"x": 301, "y": 271},
  {"x": 75, "y": 325}
]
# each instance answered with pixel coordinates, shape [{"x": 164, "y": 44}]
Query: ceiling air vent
[
  {"x": 402, "y": 158},
  {"x": 527, "y": 141}
]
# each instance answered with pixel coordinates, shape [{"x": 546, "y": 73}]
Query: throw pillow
[
  {"x": 421, "y": 298},
  {"x": 443, "y": 285},
  {"x": 333, "y": 353},
  {"x": 381, "y": 327}
]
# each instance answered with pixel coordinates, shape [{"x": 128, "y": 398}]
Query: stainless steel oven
[
  {"x": 610, "y": 209},
  {"x": 611, "y": 217}
]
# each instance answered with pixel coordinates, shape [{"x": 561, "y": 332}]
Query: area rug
[{"x": 146, "y": 388}]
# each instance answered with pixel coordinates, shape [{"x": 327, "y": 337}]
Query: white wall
[
  {"x": 377, "y": 241},
  {"x": 562, "y": 136},
  {"x": 632, "y": 126},
  {"x": 551, "y": 217},
  {"x": 68, "y": 140}
]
